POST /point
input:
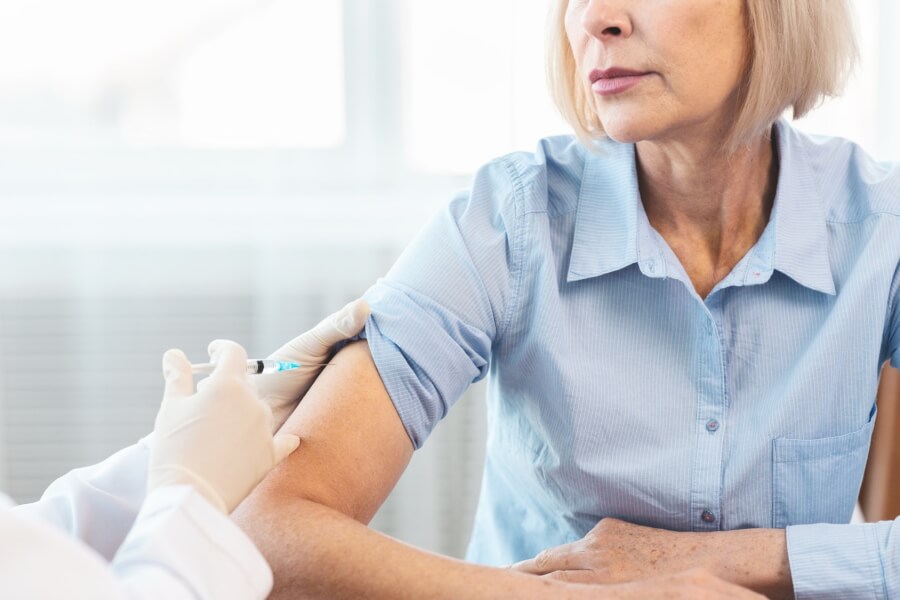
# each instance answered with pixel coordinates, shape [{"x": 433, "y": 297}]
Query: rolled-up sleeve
[{"x": 436, "y": 314}]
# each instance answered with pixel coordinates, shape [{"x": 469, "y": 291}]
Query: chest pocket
[{"x": 818, "y": 480}]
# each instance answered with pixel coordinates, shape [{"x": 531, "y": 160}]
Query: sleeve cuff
[
  {"x": 426, "y": 357},
  {"x": 836, "y": 561},
  {"x": 391, "y": 365}
]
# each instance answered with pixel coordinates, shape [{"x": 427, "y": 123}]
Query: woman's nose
[{"x": 607, "y": 19}]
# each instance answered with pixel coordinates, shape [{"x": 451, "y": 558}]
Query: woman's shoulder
[
  {"x": 549, "y": 178},
  {"x": 854, "y": 184}
]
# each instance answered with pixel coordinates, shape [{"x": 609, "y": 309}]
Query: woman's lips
[{"x": 613, "y": 81}]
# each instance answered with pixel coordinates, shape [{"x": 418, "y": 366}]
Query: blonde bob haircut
[{"x": 799, "y": 53}]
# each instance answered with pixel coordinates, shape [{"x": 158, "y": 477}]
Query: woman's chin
[{"x": 627, "y": 129}]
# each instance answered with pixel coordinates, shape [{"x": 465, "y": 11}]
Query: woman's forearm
[
  {"x": 317, "y": 552},
  {"x": 753, "y": 558}
]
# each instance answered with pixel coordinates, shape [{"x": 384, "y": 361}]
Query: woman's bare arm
[{"x": 309, "y": 516}]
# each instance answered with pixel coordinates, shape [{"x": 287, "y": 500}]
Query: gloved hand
[
  {"x": 218, "y": 439},
  {"x": 283, "y": 391}
]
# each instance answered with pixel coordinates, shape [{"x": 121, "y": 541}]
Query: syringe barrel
[{"x": 255, "y": 367}]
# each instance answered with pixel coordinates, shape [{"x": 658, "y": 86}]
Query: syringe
[{"x": 257, "y": 366}]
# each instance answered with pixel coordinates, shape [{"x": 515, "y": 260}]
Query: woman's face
[{"x": 659, "y": 69}]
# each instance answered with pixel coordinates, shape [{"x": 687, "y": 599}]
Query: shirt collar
[
  {"x": 611, "y": 227},
  {"x": 612, "y": 230},
  {"x": 801, "y": 229}
]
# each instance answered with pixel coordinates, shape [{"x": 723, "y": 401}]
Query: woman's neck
[{"x": 710, "y": 207}]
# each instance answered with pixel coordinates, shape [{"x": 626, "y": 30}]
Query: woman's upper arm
[
  {"x": 434, "y": 319},
  {"x": 353, "y": 446},
  {"x": 438, "y": 313}
]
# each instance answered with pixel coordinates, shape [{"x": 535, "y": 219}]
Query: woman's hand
[
  {"x": 695, "y": 584},
  {"x": 616, "y": 551}
]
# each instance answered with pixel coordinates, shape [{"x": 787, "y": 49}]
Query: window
[
  {"x": 263, "y": 95},
  {"x": 192, "y": 73},
  {"x": 866, "y": 113},
  {"x": 475, "y": 85}
]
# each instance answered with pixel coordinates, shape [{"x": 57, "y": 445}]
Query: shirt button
[
  {"x": 708, "y": 517},
  {"x": 651, "y": 265},
  {"x": 712, "y": 425},
  {"x": 709, "y": 326}
]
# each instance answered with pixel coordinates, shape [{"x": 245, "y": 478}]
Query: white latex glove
[
  {"x": 283, "y": 391},
  {"x": 217, "y": 440}
]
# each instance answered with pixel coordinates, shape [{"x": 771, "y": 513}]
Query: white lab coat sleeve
[
  {"x": 179, "y": 548},
  {"x": 97, "y": 504}
]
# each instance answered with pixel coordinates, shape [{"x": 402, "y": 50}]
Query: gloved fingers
[
  {"x": 229, "y": 357},
  {"x": 252, "y": 385},
  {"x": 177, "y": 372},
  {"x": 269, "y": 415},
  {"x": 285, "y": 444},
  {"x": 334, "y": 328},
  {"x": 350, "y": 320}
]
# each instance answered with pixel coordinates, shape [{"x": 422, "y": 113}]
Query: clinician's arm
[
  {"x": 97, "y": 504},
  {"x": 210, "y": 448},
  {"x": 179, "y": 548},
  {"x": 309, "y": 516}
]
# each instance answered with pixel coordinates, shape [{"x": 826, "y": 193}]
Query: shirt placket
[{"x": 707, "y": 468}]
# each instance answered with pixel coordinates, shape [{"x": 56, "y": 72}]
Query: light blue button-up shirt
[{"x": 615, "y": 390}]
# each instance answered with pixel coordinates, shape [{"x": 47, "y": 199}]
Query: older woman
[{"x": 683, "y": 313}]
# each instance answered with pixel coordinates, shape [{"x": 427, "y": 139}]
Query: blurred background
[{"x": 176, "y": 171}]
